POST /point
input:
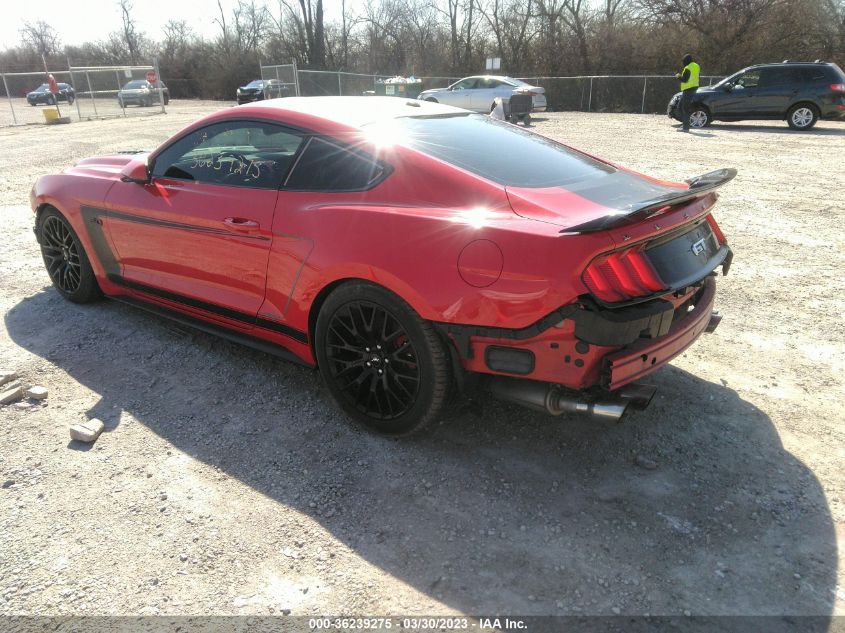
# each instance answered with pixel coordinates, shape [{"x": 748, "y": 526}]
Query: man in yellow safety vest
[{"x": 689, "y": 84}]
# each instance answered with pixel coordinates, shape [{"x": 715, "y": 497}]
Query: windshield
[
  {"x": 498, "y": 151},
  {"x": 255, "y": 83},
  {"x": 138, "y": 83}
]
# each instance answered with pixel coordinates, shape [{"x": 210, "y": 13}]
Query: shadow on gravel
[
  {"x": 779, "y": 127},
  {"x": 502, "y": 511}
]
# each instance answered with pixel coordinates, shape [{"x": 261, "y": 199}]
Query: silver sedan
[{"x": 478, "y": 93}]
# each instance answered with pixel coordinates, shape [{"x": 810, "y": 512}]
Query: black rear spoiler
[{"x": 698, "y": 187}]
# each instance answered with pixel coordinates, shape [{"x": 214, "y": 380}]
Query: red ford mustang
[{"x": 403, "y": 247}]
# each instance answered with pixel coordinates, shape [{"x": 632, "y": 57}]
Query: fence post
[
  {"x": 590, "y": 100},
  {"x": 91, "y": 92},
  {"x": 642, "y": 107},
  {"x": 339, "y": 87},
  {"x": 9, "y": 97},
  {"x": 296, "y": 78}
]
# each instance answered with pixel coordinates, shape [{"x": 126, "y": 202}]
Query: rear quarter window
[{"x": 325, "y": 166}]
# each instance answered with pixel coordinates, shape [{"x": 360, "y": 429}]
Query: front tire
[
  {"x": 384, "y": 365},
  {"x": 802, "y": 116},
  {"x": 51, "y": 100},
  {"x": 432, "y": 100},
  {"x": 65, "y": 259}
]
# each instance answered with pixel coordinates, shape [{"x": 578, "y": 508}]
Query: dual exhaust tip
[{"x": 548, "y": 398}]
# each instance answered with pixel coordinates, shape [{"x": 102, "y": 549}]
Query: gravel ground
[{"x": 227, "y": 483}]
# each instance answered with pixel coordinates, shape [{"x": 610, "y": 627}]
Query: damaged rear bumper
[{"x": 646, "y": 355}]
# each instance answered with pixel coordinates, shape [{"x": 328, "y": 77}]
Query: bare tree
[
  {"x": 131, "y": 37},
  {"x": 508, "y": 22},
  {"x": 40, "y": 37},
  {"x": 309, "y": 23}
]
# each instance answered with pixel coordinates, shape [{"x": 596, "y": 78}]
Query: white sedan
[{"x": 478, "y": 93}]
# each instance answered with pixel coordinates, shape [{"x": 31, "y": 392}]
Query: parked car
[
  {"x": 357, "y": 235},
  {"x": 42, "y": 94},
  {"x": 478, "y": 93},
  {"x": 260, "y": 89},
  {"x": 800, "y": 92},
  {"x": 141, "y": 92}
]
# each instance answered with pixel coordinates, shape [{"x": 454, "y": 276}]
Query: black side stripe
[
  {"x": 235, "y": 315},
  {"x": 179, "y": 225}
]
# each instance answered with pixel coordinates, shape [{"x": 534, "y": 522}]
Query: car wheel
[
  {"x": 432, "y": 99},
  {"x": 121, "y": 104},
  {"x": 51, "y": 100},
  {"x": 802, "y": 116},
  {"x": 65, "y": 259},
  {"x": 166, "y": 99},
  {"x": 384, "y": 365},
  {"x": 70, "y": 100},
  {"x": 699, "y": 117}
]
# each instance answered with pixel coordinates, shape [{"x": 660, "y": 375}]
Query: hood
[
  {"x": 107, "y": 166},
  {"x": 618, "y": 198}
]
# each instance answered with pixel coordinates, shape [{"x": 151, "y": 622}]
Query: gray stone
[
  {"x": 37, "y": 392},
  {"x": 87, "y": 431},
  {"x": 11, "y": 395}
]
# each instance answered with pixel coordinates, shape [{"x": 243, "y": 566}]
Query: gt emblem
[{"x": 698, "y": 247}]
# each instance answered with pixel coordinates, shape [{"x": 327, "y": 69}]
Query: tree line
[{"x": 453, "y": 37}]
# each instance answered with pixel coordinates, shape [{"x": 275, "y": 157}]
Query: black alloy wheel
[
  {"x": 384, "y": 365},
  {"x": 65, "y": 259}
]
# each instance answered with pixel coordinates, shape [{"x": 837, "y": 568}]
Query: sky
[{"x": 78, "y": 21}]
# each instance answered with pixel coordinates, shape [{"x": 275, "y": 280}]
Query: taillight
[
  {"x": 716, "y": 230},
  {"x": 622, "y": 275},
  {"x": 837, "y": 87}
]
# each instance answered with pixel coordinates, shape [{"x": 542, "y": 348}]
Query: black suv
[
  {"x": 42, "y": 94},
  {"x": 260, "y": 89},
  {"x": 800, "y": 92}
]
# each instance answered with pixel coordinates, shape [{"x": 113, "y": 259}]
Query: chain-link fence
[
  {"x": 313, "y": 83},
  {"x": 86, "y": 93},
  {"x": 16, "y": 109},
  {"x": 285, "y": 73},
  {"x": 611, "y": 93}
]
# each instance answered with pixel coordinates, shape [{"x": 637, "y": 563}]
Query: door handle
[{"x": 242, "y": 225}]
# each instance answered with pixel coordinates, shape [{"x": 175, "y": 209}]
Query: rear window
[
  {"x": 498, "y": 151},
  {"x": 138, "y": 83}
]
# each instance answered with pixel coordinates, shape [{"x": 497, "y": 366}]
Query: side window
[
  {"x": 466, "y": 84},
  {"x": 813, "y": 74},
  {"x": 324, "y": 166},
  {"x": 748, "y": 80},
  {"x": 233, "y": 153}
]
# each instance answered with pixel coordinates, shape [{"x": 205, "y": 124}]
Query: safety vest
[{"x": 692, "y": 82}]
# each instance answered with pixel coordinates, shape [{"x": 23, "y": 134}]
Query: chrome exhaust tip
[{"x": 548, "y": 398}]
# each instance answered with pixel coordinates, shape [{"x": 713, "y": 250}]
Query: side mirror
[{"x": 136, "y": 171}]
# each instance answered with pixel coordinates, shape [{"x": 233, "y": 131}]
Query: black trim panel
[
  {"x": 228, "y": 313},
  {"x": 94, "y": 226},
  {"x": 237, "y": 337}
]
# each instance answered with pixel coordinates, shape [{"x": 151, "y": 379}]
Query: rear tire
[
  {"x": 384, "y": 365},
  {"x": 802, "y": 116},
  {"x": 65, "y": 259}
]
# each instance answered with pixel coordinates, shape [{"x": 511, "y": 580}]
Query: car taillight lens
[
  {"x": 716, "y": 230},
  {"x": 622, "y": 275},
  {"x": 837, "y": 87}
]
